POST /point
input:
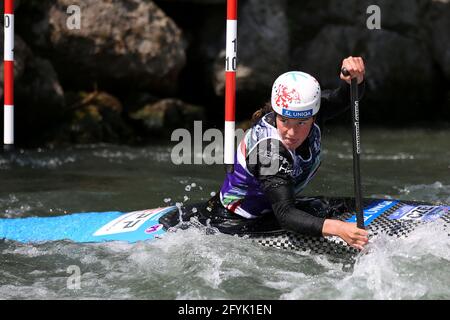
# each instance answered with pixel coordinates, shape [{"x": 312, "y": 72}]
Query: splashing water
[{"x": 203, "y": 264}]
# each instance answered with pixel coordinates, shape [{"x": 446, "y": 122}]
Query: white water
[
  {"x": 194, "y": 264},
  {"x": 189, "y": 264}
]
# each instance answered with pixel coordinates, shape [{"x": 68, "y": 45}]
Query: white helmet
[{"x": 296, "y": 94}]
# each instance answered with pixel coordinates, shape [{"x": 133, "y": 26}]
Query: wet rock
[
  {"x": 400, "y": 79},
  {"x": 438, "y": 22},
  {"x": 166, "y": 115},
  {"x": 399, "y": 16},
  {"x": 126, "y": 47},
  {"x": 39, "y": 98},
  {"x": 445, "y": 111},
  {"x": 38, "y": 95},
  {"x": 120, "y": 44},
  {"x": 22, "y": 54},
  {"x": 203, "y": 26},
  {"x": 308, "y": 18},
  {"x": 390, "y": 59},
  {"x": 96, "y": 117},
  {"x": 35, "y": 13},
  {"x": 207, "y": 2}
]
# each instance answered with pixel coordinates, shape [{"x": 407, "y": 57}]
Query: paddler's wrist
[{"x": 330, "y": 227}]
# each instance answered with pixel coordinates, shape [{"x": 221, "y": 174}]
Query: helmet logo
[{"x": 284, "y": 96}]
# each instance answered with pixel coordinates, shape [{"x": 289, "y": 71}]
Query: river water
[{"x": 191, "y": 264}]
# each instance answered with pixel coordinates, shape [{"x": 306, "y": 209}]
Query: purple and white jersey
[{"x": 241, "y": 191}]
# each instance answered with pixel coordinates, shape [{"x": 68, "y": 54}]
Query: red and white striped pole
[
  {"x": 8, "y": 78},
  {"x": 230, "y": 84}
]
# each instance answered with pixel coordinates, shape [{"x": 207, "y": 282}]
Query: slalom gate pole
[
  {"x": 230, "y": 85},
  {"x": 354, "y": 98},
  {"x": 8, "y": 77}
]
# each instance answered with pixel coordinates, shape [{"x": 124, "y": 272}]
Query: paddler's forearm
[
  {"x": 289, "y": 217},
  {"x": 298, "y": 221}
]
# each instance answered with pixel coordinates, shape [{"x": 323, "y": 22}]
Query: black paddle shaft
[{"x": 354, "y": 98}]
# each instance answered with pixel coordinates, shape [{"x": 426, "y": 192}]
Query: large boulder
[
  {"x": 38, "y": 95},
  {"x": 95, "y": 117},
  {"x": 202, "y": 2},
  {"x": 438, "y": 23},
  {"x": 162, "y": 116},
  {"x": 399, "y": 70},
  {"x": 120, "y": 44},
  {"x": 311, "y": 15},
  {"x": 22, "y": 54}
]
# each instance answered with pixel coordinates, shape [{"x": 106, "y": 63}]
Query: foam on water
[
  {"x": 155, "y": 153},
  {"x": 46, "y": 162},
  {"x": 435, "y": 192},
  {"x": 14, "y": 206},
  {"x": 197, "y": 264},
  {"x": 413, "y": 268},
  {"x": 55, "y": 158}
]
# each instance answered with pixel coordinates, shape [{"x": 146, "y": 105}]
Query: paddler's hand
[
  {"x": 349, "y": 232},
  {"x": 354, "y": 65}
]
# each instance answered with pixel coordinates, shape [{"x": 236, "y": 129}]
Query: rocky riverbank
[{"x": 135, "y": 70}]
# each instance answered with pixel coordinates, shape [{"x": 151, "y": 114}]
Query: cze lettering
[
  {"x": 143, "y": 216},
  {"x": 420, "y": 213},
  {"x": 130, "y": 224},
  {"x": 417, "y": 213},
  {"x": 137, "y": 219}
]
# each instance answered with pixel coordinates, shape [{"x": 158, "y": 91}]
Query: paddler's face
[{"x": 293, "y": 131}]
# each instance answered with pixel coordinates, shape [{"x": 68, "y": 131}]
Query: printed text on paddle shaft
[{"x": 358, "y": 135}]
